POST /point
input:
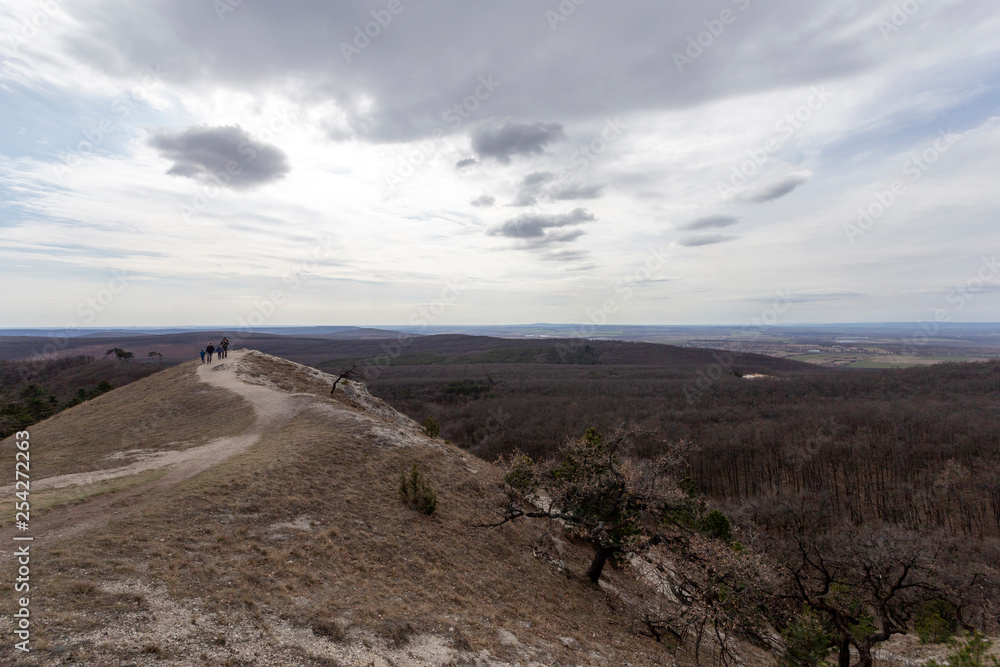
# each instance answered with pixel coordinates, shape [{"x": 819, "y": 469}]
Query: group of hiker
[{"x": 222, "y": 350}]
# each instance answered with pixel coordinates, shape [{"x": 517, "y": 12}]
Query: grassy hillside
[
  {"x": 168, "y": 410},
  {"x": 33, "y": 390},
  {"x": 299, "y": 551}
]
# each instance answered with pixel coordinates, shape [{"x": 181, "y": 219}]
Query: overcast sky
[{"x": 173, "y": 162}]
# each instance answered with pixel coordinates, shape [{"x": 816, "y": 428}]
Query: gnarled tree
[
  {"x": 614, "y": 503},
  {"x": 870, "y": 581},
  {"x": 706, "y": 585},
  {"x": 345, "y": 374}
]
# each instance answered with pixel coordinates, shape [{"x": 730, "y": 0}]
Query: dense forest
[
  {"x": 919, "y": 447},
  {"x": 870, "y": 498}
]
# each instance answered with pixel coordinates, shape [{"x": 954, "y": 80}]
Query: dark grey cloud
[
  {"x": 539, "y": 183},
  {"x": 565, "y": 255},
  {"x": 467, "y": 162},
  {"x": 509, "y": 138},
  {"x": 578, "y": 192},
  {"x": 530, "y": 186},
  {"x": 537, "y": 230},
  {"x": 224, "y": 155},
  {"x": 605, "y": 59},
  {"x": 484, "y": 199},
  {"x": 697, "y": 240},
  {"x": 537, "y": 178},
  {"x": 773, "y": 190},
  {"x": 710, "y": 222}
]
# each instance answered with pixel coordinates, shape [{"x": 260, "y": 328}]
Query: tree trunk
[
  {"x": 865, "y": 655},
  {"x": 844, "y": 659},
  {"x": 597, "y": 565}
]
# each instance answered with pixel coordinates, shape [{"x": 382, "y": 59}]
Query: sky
[{"x": 450, "y": 162}]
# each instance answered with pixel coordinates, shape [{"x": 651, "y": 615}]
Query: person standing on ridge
[
  {"x": 209, "y": 350},
  {"x": 202, "y": 355}
]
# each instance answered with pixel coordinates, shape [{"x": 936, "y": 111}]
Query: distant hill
[
  {"x": 374, "y": 346},
  {"x": 176, "y": 347},
  {"x": 462, "y": 349}
]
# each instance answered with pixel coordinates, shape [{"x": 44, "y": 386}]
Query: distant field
[{"x": 883, "y": 360}]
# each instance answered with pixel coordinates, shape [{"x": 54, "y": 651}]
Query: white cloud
[{"x": 276, "y": 74}]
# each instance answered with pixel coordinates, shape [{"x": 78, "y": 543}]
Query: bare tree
[
  {"x": 345, "y": 374},
  {"x": 869, "y": 581},
  {"x": 709, "y": 591}
]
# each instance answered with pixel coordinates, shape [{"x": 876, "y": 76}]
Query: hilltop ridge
[{"x": 253, "y": 518}]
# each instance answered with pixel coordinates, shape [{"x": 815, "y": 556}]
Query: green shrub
[
  {"x": 715, "y": 524},
  {"x": 970, "y": 653},
  {"x": 807, "y": 641},
  {"x": 416, "y": 492},
  {"x": 936, "y": 622},
  {"x": 431, "y": 427},
  {"x": 522, "y": 475}
]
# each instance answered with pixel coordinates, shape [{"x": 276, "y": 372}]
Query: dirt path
[{"x": 273, "y": 409}]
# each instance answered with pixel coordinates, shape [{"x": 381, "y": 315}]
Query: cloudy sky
[{"x": 177, "y": 162}]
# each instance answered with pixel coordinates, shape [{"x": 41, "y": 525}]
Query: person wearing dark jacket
[{"x": 209, "y": 350}]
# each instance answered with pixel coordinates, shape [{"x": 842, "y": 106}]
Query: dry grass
[
  {"x": 49, "y": 499},
  {"x": 304, "y": 537},
  {"x": 169, "y": 410}
]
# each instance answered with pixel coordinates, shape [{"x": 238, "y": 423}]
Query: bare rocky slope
[{"x": 236, "y": 513}]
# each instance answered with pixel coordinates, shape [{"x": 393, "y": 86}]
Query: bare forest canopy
[{"x": 919, "y": 447}]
